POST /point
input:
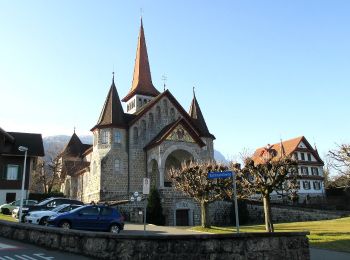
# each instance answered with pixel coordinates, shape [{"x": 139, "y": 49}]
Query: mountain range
[{"x": 53, "y": 145}]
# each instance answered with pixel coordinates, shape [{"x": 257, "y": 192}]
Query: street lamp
[{"x": 25, "y": 150}]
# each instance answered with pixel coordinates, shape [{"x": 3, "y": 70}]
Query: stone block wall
[
  {"x": 290, "y": 214},
  {"x": 101, "y": 245}
]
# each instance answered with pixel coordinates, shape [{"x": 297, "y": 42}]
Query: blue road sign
[{"x": 220, "y": 175}]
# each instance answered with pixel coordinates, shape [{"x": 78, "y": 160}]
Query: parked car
[
  {"x": 40, "y": 217},
  {"x": 48, "y": 204},
  {"x": 7, "y": 208},
  {"x": 90, "y": 217}
]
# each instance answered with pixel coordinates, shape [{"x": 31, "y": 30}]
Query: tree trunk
[
  {"x": 267, "y": 211},
  {"x": 204, "y": 213}
]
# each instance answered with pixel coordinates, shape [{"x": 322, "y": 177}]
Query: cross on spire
[{"x": 164, "y": 78}]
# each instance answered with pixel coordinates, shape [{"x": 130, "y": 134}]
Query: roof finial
[
  {"x": 164, "y": 78},
  {"x": 113, "y": 75},
  {"x": 74, "y": 130},
  {"x": 194, "y": 94},
  {"x": 141, "y": 13}
]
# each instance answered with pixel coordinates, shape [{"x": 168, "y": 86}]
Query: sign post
[
  {"x": 223, "y": 175},
  {"x": 145, "y": 191}
]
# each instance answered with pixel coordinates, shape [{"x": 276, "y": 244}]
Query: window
[
  {"x": 296, "y": 156},
  {"x": 306, "y": 185},
  {"x": 302, "y": 156},
  {"x": 304, "y": 170},
  {"x": 317, "y": 185},
  {"x": 165, "y": 107},
  {"x": 309, "y": 157},
  {"x": 172, "y": 114},
  {"x": 145, "y": 101},
  {"x": 106, "y": 211},
  {"x": 143, "y": 129},
  {"x": 12, "y": 172},
  {"x": 117, "y": 165},
  {"x": 136, "y": 135},
  {"x": 117, "y": 137},
  {"x": 104, "y": 136},
  {"x": 151, "y": 121},
  {"x": 91, "y": 211},
  {"x": 158, "y": 114},
  {"x": 314, "y": 170}
]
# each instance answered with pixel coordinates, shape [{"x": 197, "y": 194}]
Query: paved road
[
  {"x": 321, "y": 254},
  {"x": 14, "y": 250}
]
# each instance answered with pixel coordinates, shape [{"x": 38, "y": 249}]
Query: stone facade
[
  {"x": 279, "y": 245},
  {"x": 155, "y": 135}
]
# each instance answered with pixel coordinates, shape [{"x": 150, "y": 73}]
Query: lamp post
[
  {"x": 25, "y": 150},
  {"x": 138, "y": 197}
]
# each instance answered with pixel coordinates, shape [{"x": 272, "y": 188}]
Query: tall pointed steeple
[
  {"x": 197, "y": 116},
  {"x": 74, "y": 146},
  {"x": 142, "y": 80},
  {"x": 112, "y": 113}
]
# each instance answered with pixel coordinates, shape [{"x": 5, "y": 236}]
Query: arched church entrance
[{"x": 174, "y": 160}]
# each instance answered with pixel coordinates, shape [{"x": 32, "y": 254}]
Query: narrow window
[
  {"x": 117, "y": 137},
  {"x": 104, "y": 136},
  {"x": 302, "y": 156},
  {"x": 12, "y": 172},
  {"x": 165, "y": 107},
  {"x": 309, "y": 157},
  {"x": 172, "y": 114},
  {"x": 136, "y": 135},
  {"x": 296, "y": 156},
  {"x": 143, "y": 129},
  {"x": 151, "y": 121},
  {"x": 117, "y": 165},
  {"x": 305, "y": 170},
  {"x": 314, "y": 170},
  {"x": 306, "y": 185},
  {"x": 159, "y": 114}
]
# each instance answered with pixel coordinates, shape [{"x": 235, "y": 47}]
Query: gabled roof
[
  {"x": 75, "y": 148},
  {"x": 112, "y": 114},
  {"x": 197, "y": 116},
  {"x": 167, "y": 130},
  {"x": 173, "y": 100},
  {"x": 7, "y": 136},
  {"x": 142, "y": 80},
  {"x": 289, "y": 147},
  {"x": 33, "y": 142}
]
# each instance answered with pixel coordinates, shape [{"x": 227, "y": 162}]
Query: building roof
[
  {"x": 112, "y": 114},
  {"x": 172, "y": 99},
  {"x": 287, "y": 147},
  {"x": 33, "y": 142},
  {"x": 75, "y": 148},
  {"x": 197, "y": 116},
  {"x": 167, "y": 130},
  {"x": 142, "y": 80}
]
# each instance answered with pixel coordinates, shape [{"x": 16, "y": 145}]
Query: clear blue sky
[{"x": 263, "y": 70}]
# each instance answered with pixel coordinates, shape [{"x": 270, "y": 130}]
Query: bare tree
[
  {"x": 192, "y": 179},
  {"x": 340, "y": 159},
  {"x": 273, "y": 174}
]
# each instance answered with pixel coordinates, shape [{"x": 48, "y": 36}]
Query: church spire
[
  {"x": 142, "y": 80},
  {"x": 112, "y": 113},
  {"x": 196, "y": 114}
]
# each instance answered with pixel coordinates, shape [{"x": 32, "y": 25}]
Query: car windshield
[
  {"x": 58, "y": 208},
  {"x": 41, "y": 203}
]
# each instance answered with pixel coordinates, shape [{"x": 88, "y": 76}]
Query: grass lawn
[
  {"x": 328, "y": 234},
  {"x": 7, "y": 218}
]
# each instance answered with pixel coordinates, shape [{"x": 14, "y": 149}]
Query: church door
[{"x": 182, "y": 217}]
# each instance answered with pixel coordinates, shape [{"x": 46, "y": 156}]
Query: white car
[{"x": 41, "y": 217}]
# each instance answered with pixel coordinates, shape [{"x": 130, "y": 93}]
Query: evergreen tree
[{"x": 154, "y": 208}]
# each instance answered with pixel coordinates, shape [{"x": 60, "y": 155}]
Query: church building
[{"x": 154, "y": 134}]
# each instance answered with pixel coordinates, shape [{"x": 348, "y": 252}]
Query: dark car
[
  {"x": 48, "y": 204},
  {"x": 90, "y": 217}
]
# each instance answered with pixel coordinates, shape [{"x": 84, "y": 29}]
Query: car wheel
[
  {"x": 114, "y": 229},
  {"x": 43, "y": 221},
  {"x": 5, "y": 211},
  {"x": 65, "y": 225}
]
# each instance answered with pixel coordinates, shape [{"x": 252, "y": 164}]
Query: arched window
[
  {"x": 172, "y": 114},
  {"x": 117, "y": 137},
  {"x": 158, "y": 114},
  {"x": 143, "y": 129},
  {"x": 117, "y": 165},
  {"x": 151, "y": 121},
  {"x": 136, "y": 135},
  {"x": 165, "y": 107}
]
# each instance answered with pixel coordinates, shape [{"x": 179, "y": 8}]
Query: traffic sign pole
[{"x": 235, "y": 200}]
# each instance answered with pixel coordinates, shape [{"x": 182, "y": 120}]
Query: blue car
[{"x": 90, "y": 217}]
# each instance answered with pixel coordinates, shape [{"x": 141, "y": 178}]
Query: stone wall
[
  {"x": 290, "y": 214},
  {"x": 202, "y": 246}
]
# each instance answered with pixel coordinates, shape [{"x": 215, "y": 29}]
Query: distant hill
[{"x": 53, "y": 145}]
